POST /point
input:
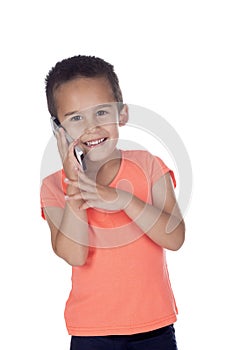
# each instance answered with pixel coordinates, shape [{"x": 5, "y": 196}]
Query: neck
[{"x": 104, "y": 170}]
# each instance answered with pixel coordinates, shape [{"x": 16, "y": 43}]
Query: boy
[{"x": 111, "y": 222}]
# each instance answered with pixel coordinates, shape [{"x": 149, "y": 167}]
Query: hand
[
  {"x": 70, "y": 163},
  {"x": 99, "y": 196}
]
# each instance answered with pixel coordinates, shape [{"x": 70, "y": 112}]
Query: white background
[{"x": 173, "y": 57}]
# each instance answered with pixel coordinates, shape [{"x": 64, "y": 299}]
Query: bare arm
[
  {"x": 68, "y": 226},
  {"x": 69, "y": 232},
  {"x": 161, "y": 221}
]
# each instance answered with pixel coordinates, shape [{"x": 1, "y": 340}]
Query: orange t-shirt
[{"x": 124, "y": 286}]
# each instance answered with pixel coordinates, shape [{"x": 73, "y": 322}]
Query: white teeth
[{"x": 95, "y": 142}]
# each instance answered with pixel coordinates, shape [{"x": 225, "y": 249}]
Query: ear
[{"x": 123, "y": 115}]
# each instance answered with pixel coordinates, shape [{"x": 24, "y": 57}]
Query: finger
[
  {"x": 86, "y": 196},
  {"x": 89, "y": 188},
  {"x": 73, "y": 183},
  {"x": 77, "y": 143},
  {"x": 78, "y": 166},
  {"x": 62, "y": 143},
  {"x": 82, "y": 185},
  {"x": 85, "y": 206},
  {"x": 86, "y": 184},
  {"x": 73, "y": 197},
  {"x": 84, "y": 177}
]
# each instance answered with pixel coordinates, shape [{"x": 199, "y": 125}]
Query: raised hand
[{"x": 70, "y": 163}]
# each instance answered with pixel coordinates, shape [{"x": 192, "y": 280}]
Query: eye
[
  {"x": 102, "y": 113},
  {"x": 76, "y": 118}
]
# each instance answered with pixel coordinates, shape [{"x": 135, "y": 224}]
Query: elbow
[
  {"x": 77, "y": 263},
  {"x": 74, "y": 259},
  {"x": 78, "y": 260},
  {"x": 176, "y": 246},
  {"x": 179, "y": 238}
]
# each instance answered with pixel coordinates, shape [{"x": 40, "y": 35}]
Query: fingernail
[
  {"x": 66, "y": 180},
  {"x": 66, "y": 198}
]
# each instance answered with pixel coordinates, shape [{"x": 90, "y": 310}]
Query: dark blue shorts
[{"x": 159, "y": 339}]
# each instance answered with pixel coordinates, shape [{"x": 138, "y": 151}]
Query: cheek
[
  {"x": 75, "y": 134},
  {"x": 114, "y": 132},
  {"x": 75, "y": 131}
]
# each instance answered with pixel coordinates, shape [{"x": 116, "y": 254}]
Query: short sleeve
[
  {"x": 52, "y": 192},
  {"x": 158, "y": 169}
]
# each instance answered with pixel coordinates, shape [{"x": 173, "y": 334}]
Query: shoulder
[
  {"x": 153, "y": 165},
  {"x": 143, "y": 157},
  {"x": 53, "y": 182},
  {"x": 52, "y": 190}
]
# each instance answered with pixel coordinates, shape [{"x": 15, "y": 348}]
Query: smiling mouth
[{"x": 96, "y": 142}]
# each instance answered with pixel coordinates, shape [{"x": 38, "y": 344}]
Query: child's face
[{"x": 96, "y": 128}]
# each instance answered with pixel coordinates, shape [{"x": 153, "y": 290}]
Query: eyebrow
[
  {"x": 71, "y": 113},
  {"x": 96, "y": 106}
]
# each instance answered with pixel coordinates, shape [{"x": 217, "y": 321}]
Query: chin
[
  {"x": 96, "y": 157},
  {"x": 98, "y": 154}
]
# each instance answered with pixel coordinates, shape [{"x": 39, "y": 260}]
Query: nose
[{"x": 90, "y": 124}]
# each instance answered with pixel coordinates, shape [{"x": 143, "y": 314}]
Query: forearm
[
  {"x": 73, "y": 253},
  {"x": 164, "y": 229},
  {"x": 71, "y": 242},
  {"x": 69, "y": 232}
]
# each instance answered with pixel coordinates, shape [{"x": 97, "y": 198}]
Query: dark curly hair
[{"x": 79, "y": 66}]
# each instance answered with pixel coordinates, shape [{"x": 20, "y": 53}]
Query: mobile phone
[{"x": 77, "y": 150}]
